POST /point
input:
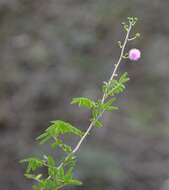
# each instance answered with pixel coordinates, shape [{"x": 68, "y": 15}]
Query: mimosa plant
[{"x": 60, "y": 172}]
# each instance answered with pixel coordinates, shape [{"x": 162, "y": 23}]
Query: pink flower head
[{"x": 134, "y": 54}]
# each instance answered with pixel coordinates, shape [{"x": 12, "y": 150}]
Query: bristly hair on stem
[{"x": 60, "y": 173}]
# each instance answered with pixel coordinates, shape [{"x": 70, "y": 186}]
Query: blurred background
[{"x": 52, "y": 51}]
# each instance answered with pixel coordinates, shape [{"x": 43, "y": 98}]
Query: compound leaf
[{"x": 84, "y": 102}]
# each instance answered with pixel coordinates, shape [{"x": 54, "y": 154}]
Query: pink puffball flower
[{"x": 134, "y": 54}]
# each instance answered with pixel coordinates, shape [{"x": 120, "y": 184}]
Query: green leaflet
[
  {"x": 43, "y": 137},
  {"x": 35, "y": 177},
  {"x": 58, "y": 128},
  {"x": 70, "y": 162},
  {"x": 48, "y": 184},
  {"x": 84, "y": 102},
  {"x": 115, "y": 86},
  {"x": 100, "y": 109},
  {"x": 124, "y": 78},
  {"x": 73, "y": 182},
  {"x": 64, "y": 147},
  {"x": 52, "y": 169},
  {"x": 97, "y": 123},
  {"x": 107, "y": 106},
  {"x": 33, "y": 164}
]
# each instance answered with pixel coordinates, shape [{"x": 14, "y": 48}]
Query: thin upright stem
[{"x": 103, "y": 97}]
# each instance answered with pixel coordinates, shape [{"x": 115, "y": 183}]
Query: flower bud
[{"x": 134, "y": 54}]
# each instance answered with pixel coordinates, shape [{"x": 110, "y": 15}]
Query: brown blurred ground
[{"x": 51, "y": 51}]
